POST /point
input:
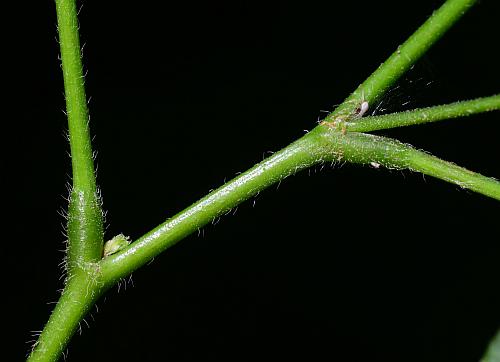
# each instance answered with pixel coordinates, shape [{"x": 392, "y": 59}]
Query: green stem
[
  {"x": 425, "y": 115},
  {"x": 295, "y": 157},
  {"x": 447, "y": 171},
  {"x": 76, "y": 103},
  {"x": 404, "y": 57},
  {"x": 79, "y": 295},
  {"x": 376, "y": 150},
  {"x": 85, "y": 226}
]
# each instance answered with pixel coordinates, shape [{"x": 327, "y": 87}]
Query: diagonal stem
[
  {"x": 404, "y": 57},
  {"x": 297, "y": 156},
  {"x": 372, "y": 149}
]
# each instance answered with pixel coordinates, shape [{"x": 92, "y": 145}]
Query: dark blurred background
[{"x": 350, "y": 263}]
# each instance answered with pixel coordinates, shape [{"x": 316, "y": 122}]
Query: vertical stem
[
  {"x": 85, "y": 230},
  {"x": 76, "y": 103},
  {"x": 85, "y": 225}
]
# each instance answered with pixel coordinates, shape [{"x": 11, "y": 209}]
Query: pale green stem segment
[
  {"x": 425, "y": 115},
  {"x": 492, "y": 353},
  {"x": 76, "y": 103},
  {"x": 404, "y": 57},
  {"x": 85, "y": 225}
]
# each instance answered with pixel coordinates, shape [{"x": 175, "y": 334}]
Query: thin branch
[
  {"x": 447, "y": 171},
  {"x": 425, "y": 115},
  {"x": 76, "y": 104},
  {"x": 403, "y": 58}
]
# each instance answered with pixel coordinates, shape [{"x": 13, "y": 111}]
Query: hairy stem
[
  {"x": 85, "y": 230},
  {"x": 425, "y": 115},
  {"x": 295, "y": 157},
  {"x": 76, "y": 103},
  {"x": 85, "y": 220},
  {"x": 371, "y": 149},
  {"x": 79, "y": 295}
]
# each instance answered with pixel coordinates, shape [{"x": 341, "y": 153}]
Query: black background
[{"x": 349, "y": 263}]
